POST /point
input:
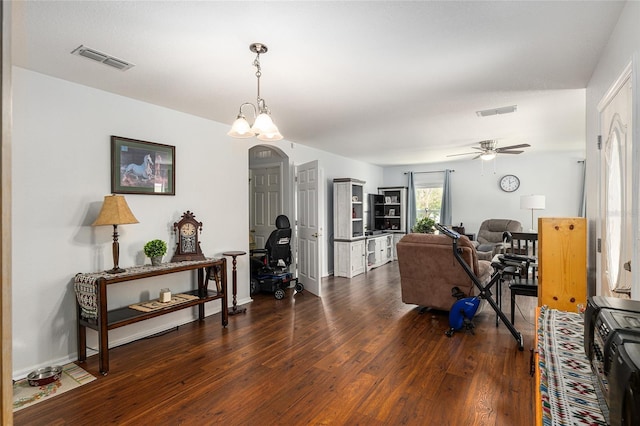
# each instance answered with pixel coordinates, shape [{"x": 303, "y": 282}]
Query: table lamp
[
  {"x": 532, "y": 202},
  {"x": 115, "y": 211}
]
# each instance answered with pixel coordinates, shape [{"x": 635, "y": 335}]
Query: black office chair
[{"x": 269, "y": 266}]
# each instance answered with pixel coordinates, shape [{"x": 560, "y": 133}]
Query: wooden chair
[{"x": 525, "y": 282}]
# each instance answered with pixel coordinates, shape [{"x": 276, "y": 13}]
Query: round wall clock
[
  {"x": 509, "y": 183},
  {"x": 188, "y": 244}
]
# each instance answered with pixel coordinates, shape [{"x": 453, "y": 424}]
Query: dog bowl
[{"x": 44, "y": 376}]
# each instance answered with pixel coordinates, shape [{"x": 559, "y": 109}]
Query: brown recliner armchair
[
  {"x": 490, "y": 239},
  {"x": 428, "y": 269}
]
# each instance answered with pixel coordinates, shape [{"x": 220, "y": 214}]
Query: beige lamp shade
[
  {"x": 115, "y": 211},
  {"x": 534, "y": 202}
]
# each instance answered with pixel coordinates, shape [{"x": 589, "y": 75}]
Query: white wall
[
  {"x": 476, "y": 194},
  {"x": 622, "y": 48},
  {"x": 61, "y": 172}
]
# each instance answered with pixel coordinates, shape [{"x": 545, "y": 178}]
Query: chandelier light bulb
[
  {"x": 263, "y": 124},
  {"x": 270, "y": 136},
  {"x": 241, "y": 128}
]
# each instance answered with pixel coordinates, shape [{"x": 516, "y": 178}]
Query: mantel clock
[{"x": 188, "y": 242}]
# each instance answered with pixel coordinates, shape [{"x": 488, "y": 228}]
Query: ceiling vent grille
[
  {"x": 102, "y": 57},
  {"x": 496, "y": 111}
]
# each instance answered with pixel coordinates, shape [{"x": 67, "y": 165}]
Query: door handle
[
  {"x": 252, "y": 230},
  {"x": 315, "y": 235},
  {"x": 627, "y": 266}
]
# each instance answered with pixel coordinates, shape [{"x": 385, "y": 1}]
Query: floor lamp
[{"x": 532, "y": 202}]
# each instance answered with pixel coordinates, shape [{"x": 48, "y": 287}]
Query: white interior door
[
  {"x": 616, "y": 195},
  {"x": 266, "y": 202},
  {"x": 309, "y": 205}
]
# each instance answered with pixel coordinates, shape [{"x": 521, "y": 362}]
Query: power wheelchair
[{"x": 270, "y": 265}]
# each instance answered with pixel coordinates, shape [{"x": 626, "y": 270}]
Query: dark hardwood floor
[{"x": 358, "y": 356}]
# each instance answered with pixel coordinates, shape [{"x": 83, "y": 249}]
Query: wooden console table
[{"x": 91, "y": 300}]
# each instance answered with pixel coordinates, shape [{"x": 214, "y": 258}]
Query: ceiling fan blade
[
  {"x": 522, "y": 145},
  {"x": 466, "y": 153},
  {"x": 478, "y": 148},
  {"x": 510, "y": 152}
]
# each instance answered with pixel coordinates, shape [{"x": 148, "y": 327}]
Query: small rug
[
  {"x": 154, "y": 305},
  {"x": 25, "y": 395},
  {"x": 567, "y": 385}
]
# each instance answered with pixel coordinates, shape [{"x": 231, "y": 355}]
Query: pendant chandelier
[{"x": 263, "y": 127}]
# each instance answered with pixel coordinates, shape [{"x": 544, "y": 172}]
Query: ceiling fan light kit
[
  {"x": 263, "y": 127},
  {"x": 487, "y": 156}
]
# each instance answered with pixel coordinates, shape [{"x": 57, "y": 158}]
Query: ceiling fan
[{"x": 489, "y": 149}]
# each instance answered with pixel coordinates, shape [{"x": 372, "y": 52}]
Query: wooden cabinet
[
  {"x": 379, "y": 250},
  {"x": 562, "y": 259},
  {"x": 349, "y": 258}
]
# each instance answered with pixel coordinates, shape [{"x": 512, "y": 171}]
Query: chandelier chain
[{"x": 256, "y": 63}]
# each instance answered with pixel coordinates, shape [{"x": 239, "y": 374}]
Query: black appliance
[
  {"x": 594, "y": 304},
  {"x": 624, "y": 385},
  {"x": 615, "y": 360}
]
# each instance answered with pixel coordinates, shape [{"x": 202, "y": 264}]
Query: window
[
  {"x": 428, "y": 187},
  {"x": 428, "y": 202}
]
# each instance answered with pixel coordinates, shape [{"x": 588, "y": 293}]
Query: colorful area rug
[
  {"x": 72, "y": 377},
  {"x": 154, "y": 305},
  {"x": 567, "y": 384}
]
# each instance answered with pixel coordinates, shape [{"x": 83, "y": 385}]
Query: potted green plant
[
  {"x": 154, "y": 250},
  {"x": 424, "y": 225}
]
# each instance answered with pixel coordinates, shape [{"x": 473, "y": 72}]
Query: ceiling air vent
[
  {"x": 102, "y": 57},
  {"x": 496, "y": 111}
]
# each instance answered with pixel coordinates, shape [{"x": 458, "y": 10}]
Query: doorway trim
[{"x": 630, "y": 73}]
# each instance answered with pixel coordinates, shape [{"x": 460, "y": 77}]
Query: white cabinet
[
  {"x": 348, "y": 227},
  {"x": 349, "y": 258},
  {"x": 396, "y": 237},
  {"x": 392, "y": 215},
  {"x": 379, "y": 250},
  {"x": 348, "y": 209}
]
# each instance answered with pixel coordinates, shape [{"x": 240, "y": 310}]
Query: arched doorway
[{"x": 269, "y": 191}]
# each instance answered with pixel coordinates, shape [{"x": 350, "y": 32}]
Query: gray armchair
[{"x": 490, "y": 236}]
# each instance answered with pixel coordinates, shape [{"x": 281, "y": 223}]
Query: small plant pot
[{"x": 156, "y": 260}]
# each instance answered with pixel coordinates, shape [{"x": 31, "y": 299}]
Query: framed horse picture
[{"x": 139, "y": 167}]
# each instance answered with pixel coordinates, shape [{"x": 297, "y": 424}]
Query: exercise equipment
[{"x": 463, "y": 310}]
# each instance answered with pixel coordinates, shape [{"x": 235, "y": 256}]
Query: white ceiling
[{"x": 387, "y": 82}]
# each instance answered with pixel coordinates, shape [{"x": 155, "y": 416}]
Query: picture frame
[
  {"x": 392, "y": 212},
  {"x": 141, "y": 167}
]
